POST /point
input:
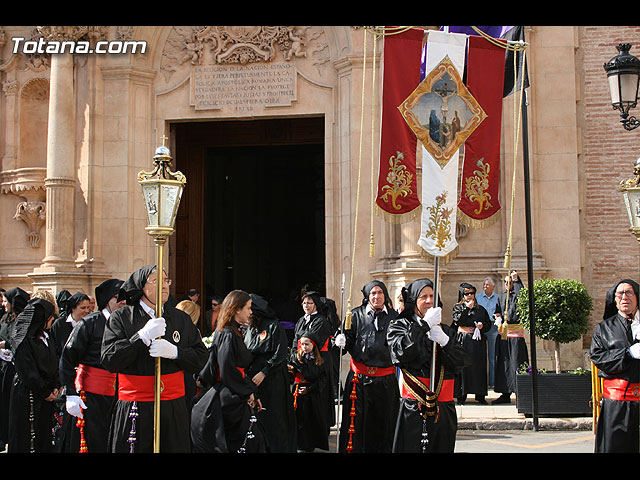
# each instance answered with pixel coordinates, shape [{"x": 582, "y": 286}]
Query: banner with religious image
[
  {"x": 479, "y": 205},
  {"x": 397, "y": 196},
  {"x": 443, "y": 114}
]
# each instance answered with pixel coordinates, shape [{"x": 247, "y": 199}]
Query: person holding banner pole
[
  {"x": 370, "y": 402},
  {"x": 427, "y": 420}
]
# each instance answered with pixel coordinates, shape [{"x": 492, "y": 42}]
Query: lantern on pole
[{"x": 162, "y": 191}]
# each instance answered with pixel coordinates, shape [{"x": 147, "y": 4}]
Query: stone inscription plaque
[{"x": 243, "y": 88}]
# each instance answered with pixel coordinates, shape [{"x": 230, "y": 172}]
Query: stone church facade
[{"x": 75, "y": 130}]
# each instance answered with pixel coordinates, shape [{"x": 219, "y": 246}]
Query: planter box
[{"x": 559, "y": 394}]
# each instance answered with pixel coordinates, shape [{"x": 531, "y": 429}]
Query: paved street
[{"x": 525, "y": 441}]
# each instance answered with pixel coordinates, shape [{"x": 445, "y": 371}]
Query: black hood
[
  {"x": 410, "y": 295},
  {"x": 106, "y": 291},
  {"x": 131, "y": 289},
  {"x": 366, "y": 290}
]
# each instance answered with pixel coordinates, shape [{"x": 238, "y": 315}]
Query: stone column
[{"x": 60, "y": 181}]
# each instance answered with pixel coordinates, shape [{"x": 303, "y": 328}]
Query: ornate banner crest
[
  {"x": 397, "y": 197},
  {"x": 442, "y": 112},
  {"x": 479, "y": 205}
]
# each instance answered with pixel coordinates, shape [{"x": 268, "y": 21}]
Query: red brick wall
[{"x": 608, "y": 155}]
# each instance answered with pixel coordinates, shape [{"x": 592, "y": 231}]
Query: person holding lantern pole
[{"x": 131, "y": 344}]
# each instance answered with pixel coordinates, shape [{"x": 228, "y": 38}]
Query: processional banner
[
  {"x": 397, "y": 197},
  {"x": 443, "y": 114},
  {"x": 479, "y": 205}
]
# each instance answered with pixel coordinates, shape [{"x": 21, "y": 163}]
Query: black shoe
[
  {"x": 481, "y": 400},
  {"x": 502, "y": 399}
]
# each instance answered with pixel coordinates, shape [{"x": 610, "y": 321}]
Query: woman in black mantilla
[
  {"x": 14, "y": 301},
  {"x": 130, "y": 347},
  {"x": 472, "y": 322},
  {"x": 266, "y": 339},
  {"x": 36, "y": 383},
  {"x": 223, "y": 417},
  {"x": 424, "y": 424}
]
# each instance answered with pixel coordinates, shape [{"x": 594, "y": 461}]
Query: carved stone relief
[{"x": 190, "y": 46}]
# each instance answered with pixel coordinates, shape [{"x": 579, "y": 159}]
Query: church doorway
[{"x": 252, "y": 215}]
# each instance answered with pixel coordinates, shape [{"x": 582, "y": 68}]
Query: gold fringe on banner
[
  {"x": 475, "y": 223},
  {"x": 443, "y": 259},
  {"x": 398, "y": 218}
]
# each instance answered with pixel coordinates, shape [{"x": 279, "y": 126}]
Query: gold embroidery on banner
[
  {"x": 439, "y": 222},
  {"x": 476, "y": 187},
  {"x": 398, "y": 181}
]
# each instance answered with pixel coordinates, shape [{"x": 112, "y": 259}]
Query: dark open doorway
[{"x": 252, "y": 215}]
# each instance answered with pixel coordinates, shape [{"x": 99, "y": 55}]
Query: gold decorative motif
[
  {"x": 476, "y": 187},
  {"x": 427, "y": 112},
  {"x": 439, "y": 227},
  {"x": 398, "y": 181}
]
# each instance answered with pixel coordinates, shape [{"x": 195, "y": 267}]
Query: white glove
[
  {"x": 75, "y": 405},
  {"x": 634, "y": 351},
  {"x": 154, "y": 328},
  {"x": 433, "y": 316},
  {"x": 437, "y": 335},
  {"x": 498, "y": 321},
  {"x": 476, "y": 334},
  {"x": 340, "y": 340},
  {"x": 163, "y": 348},
  {"x": 6, "y": 354},
  {"x": 635, "y": 329}
]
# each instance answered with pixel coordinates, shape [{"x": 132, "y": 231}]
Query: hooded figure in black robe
[
  {"x": 375, "y": 400},
  {"x": 36, "y": 383},
  {"x": 512, "y": 351},
  {"x": 472, "y": 322},
  {"x": 88, "y": 387},
  {"x": 130, "y": 348},
  {"x": 17, "y": 299},
  {"x": 615, "y": 350},
  {"x": 427, "y": 420},
  {"x": 266, "y": 339}
]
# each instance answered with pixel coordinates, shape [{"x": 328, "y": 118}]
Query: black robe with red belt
[
  {"x": 617, "y": 429},
  {"x": 412, "y": 351},
  {"x": 136, "y": 370},
  {"x": 81, "y": 369}
]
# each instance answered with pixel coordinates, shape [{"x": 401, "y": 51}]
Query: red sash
[
  {"x": 300, "y": 379},
  {"x": 446, "y": 393},
  {"x": 619, "y": 389},
  {"x": 140, "y": 388},
  {"x": 95, "y": 380},
  {"x": 362, "y": 369}
]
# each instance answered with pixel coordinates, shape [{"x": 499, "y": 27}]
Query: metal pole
[
  {"x": 156, "y": 400},
  {"x": 338, "y": 418},
  {"x": 436, "y": 288},
  {"x": 527, "y": 200}
]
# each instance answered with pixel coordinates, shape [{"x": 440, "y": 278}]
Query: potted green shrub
[{"x": 562, "y": 308}]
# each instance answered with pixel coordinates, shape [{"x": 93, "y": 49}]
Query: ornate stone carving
[
  {"x": 237, "y": 45},
  {"x": 33, "y": 214}
]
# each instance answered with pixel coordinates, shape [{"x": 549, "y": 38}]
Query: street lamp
[
  {"x": 630, "y": 189},
  {"x": 161, "y": 190},
  {"x": 623, "y": 72}
]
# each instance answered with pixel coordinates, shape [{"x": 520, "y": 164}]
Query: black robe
[
  {"x": 320, "y": 327},
  {"x": 473, "y": 378},
  {"x": 412, "y": 350},
  {"x": 376, "y": 397},
  {"x": 120, "y": 355},
  {"x": 268, "y": 345},
  {"x": 511, "y": 352},
  {"x": 311, "y": 413},
  {"x": 221, "y": 419},
  {"x": 617, "y": 428},
  {"x": 36, "y": 365},
  {"x": 83, "y": 347}
]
